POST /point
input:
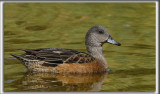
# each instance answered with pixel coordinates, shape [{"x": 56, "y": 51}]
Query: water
[{"x": 64, "y": 25}]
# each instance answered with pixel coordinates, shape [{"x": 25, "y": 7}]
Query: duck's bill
[{"x": 112, "y": 41}]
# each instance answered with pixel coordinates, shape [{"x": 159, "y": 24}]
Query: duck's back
[{"x": 59, "y": 60}]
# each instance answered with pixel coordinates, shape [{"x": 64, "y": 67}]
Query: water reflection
[{"x": 61, "y": 82}]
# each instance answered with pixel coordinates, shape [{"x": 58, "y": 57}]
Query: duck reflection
[{"x": 61, "y": 82}]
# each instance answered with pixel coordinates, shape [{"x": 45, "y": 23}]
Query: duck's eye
[{"x": 101, "y": 32}]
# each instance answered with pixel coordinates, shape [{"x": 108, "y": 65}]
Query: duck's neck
[{"x": 97, "y": 53}]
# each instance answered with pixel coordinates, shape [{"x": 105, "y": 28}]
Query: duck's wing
[
  {"x": 55, "y": 56},
  {"x": 49, "y": 55},
  {"x": 80, "y": 58}
]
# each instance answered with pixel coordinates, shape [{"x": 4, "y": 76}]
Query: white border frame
[
  {"x": 157, "y": 50},
  {"x": 1, "y": 47},
  {"x": 79, "y": 1},
  {"x": 157, "y": 42}
]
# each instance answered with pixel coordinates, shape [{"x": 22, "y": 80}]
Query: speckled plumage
[{"x": 59, "y": 60}]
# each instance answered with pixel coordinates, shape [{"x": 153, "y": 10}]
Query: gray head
[{"x": 97, "y": 36}]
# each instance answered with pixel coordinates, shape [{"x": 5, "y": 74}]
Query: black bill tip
[{"x": 118, "y": 44}]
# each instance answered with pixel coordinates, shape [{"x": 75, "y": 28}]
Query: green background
[{"x": 64, "y": 25}]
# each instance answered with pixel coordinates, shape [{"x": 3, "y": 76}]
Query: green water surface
[{"x": 64, "y": 25}]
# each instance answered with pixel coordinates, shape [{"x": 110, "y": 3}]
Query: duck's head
[{"x": 97, "y": 36}]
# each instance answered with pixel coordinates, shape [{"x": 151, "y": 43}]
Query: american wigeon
[{"x": 59, "y": 60}]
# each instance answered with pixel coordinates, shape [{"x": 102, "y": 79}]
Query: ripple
[
  {"x": 9, "y": 33},
  {"x": 36, "y": 28},
  {"x": 126, "y": 25},
  {"x": 136, "y": 71},
  {"x": 19, "y": 22},
  {"x": 142, "y": 46},
  {"x": 23, "y": 41}
]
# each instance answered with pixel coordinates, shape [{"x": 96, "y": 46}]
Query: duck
[{"x": 61, "y": 60}]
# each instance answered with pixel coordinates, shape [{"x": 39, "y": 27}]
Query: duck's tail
[
  {"x": 34, "y": 65},
  {"x": 23, "y": 60}
]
